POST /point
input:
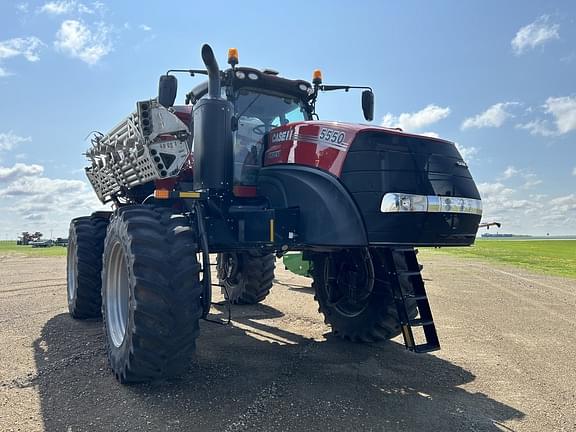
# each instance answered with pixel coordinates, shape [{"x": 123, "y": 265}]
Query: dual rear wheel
[
  {"x": 145, "y": 275},
  {"x": 138, "y": 269}
]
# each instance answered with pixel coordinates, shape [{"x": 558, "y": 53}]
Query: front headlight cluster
[{"x": 400, "y": 202}]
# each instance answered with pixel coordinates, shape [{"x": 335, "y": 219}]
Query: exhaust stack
[
  {"x": 213, "y": 71},
  {"x": 213, "y": 141}
]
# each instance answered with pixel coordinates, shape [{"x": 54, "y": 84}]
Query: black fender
[{"x": 328, "y": 214}]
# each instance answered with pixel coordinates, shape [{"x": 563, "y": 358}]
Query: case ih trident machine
[{"x": 246, "y": 170}]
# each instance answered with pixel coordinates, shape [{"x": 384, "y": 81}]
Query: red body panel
[
  {"x": 184, "y": 113},
  {"x": 320, "y": 144}
]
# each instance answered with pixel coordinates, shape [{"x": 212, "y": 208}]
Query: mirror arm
[
  {"x": 342, "y": 87},
  {"x": 192, "y": 72}
]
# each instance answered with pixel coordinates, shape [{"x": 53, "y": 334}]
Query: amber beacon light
[
  {"x": 232, "y": 56},
  {"x": 317, "y": 76}
]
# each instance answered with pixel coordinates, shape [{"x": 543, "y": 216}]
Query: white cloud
[
  {"x": 39, "y": 186},
  {"x": 33, "y": 217},
  {"x": 574, "y": 171},
  {"x": 565, "y": 203},
  {"x": 535, "y": 34},
  {"x": 497, "y": 196},
  {"x": 144, "y": 27},
  {"x": 563, "y": 112},
  {"x": 77, "y": 40},
  {"x": 27, "y": 47},
  {"x": 495, "y": 116},
  {"x": 31, "y": 201},
  {"x": 9, "y": 140},
  {"x": 530, "y": 179},
  {"x": 418, "y": 120},
  {"x": 537, "y": 127},
  {"x": 510, "y": 172},
  {"x": 19, "y": 170},
  {"x": 22, "y": 7},
  {"x": 4, "y": 73},
  {"x": 523, "y": 213},
  {"x": 61, "y": 7},
  {"x": 58, "y": 7},
  {"x": 501, "y": 204}
]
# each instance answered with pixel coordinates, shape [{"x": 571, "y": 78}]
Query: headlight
[
  {"x": 240, "y": 75},
  {"x": 253, "y": 76},
  {"x": 399, "y": 202},
  {"x": 393, "y": 202}
]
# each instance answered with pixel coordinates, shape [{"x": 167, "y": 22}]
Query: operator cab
[
  {"x": 257, "y": 114},
  {"x": 262, "y": 101}
]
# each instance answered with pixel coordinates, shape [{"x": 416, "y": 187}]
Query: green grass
[
  {"x": 11, "y": 248},
  {"x": 554, "y": 257}
]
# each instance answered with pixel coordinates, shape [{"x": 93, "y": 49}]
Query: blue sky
[{"x": 495, "y": 77}]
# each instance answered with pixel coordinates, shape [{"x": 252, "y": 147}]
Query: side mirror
[
  {"x": 368, "y": 105},
  {"x": 167, "y": 89}
]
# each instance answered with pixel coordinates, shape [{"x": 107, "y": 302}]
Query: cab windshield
[{"x": 257, "y": 114}]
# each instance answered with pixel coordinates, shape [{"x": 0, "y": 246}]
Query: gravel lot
[{"x": 507, "y": 363}]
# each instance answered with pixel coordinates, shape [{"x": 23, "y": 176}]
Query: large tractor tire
[
  {"x": 355, "y": 294},
  {"x": 246, "y": 277},
  {"x": 84, "y": 265},
  {"x": 151, "y": 293}
]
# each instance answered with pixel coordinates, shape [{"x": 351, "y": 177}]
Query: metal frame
[{"x": 131, "y": 153}]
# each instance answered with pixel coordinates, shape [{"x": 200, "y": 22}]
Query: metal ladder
[{"x": 408, "y": 286}]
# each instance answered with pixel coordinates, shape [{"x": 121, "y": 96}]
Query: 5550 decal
[{"x": 332, "y": 136}]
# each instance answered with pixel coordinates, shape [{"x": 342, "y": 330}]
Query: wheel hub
[
  {"x": 229, "y": 267},
  {"x": 72, "y": 269},
  {"x": 117, "y": 292},
  {"x": 349, "y": 281}
]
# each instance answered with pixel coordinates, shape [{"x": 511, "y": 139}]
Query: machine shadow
[
  {"x": 255, "y": 376},
  {"x": 303, "y": 288}
]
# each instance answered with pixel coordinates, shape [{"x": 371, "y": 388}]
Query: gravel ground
[{"x": 507, "y": 362}]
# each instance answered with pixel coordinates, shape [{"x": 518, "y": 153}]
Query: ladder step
[
  {"x": 404, "y": 250},
  {"x": 409, "y": 273},
  {"x": 420, "y": 322},
  {"x": 424, "y": 348},
  {"x": 413, "y": 297},
  {"x": 408, "y": 285}
]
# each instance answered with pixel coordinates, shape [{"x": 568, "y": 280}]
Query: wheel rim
[
  {"x": 230, "y": 268},
  {"x": 349, "y": 280},
  {"x": 72, "y": 269},
  {"x": 117, "y": 295}
]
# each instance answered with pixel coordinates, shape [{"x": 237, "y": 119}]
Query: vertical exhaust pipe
[
  {"x": 213, "y": 71},
  {"x": 213, "y": 140}
]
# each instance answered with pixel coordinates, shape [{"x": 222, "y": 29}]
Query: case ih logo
[{"x": 282, "y": 136}]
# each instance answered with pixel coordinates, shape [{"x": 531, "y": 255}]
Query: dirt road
[{"x": 507, "y": 363}]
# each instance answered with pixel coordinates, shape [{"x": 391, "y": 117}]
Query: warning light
[
  {"x": 161, "y": 194},
  {"x": 317, "y": 77},
  {"x": 232, "y": 56}
]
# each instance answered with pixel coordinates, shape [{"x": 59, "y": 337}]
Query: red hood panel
[{"x": 321, "y": 144}]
